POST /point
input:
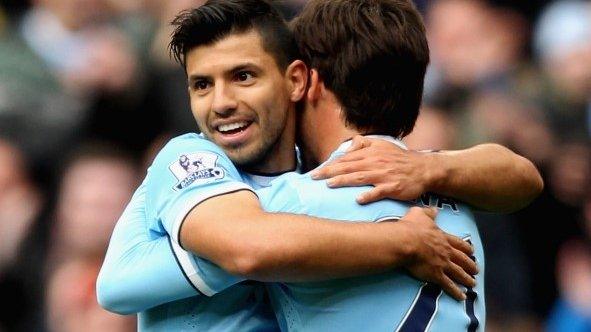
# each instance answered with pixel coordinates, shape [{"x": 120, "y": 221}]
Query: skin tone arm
[
  {"x": 487, "y": 176},
  {"x": 285, "y": 247}
]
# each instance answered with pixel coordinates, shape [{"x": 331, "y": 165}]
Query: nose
[{"x": 224, "y": 100}]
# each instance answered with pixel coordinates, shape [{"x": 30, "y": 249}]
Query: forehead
[{"x": 234, "y": 50}]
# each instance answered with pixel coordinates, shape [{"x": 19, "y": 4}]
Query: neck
[
  {"x": 322, "y": 126},
  {"x": 332, "y": 139},
  {"x": 333, "y": 131},
  {"x": 277, "y": 162}
]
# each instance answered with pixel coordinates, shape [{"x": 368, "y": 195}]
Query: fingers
[
  {"x": 372, "y": 195},
  {"x": 431, "y": 212},
  {"x": 451, "y": 288},
  {"x": 358, "y": 142},
  {"x": 460, "y": 244},
  {"x": 460, "y": 276},
  {"x": 417, "y": 213},
  {"x": 362, "y": 178},
  {"x": 356, "y": 155},
  {"x": 465, "y": 262},
  {"x": 339, "y": 168}
]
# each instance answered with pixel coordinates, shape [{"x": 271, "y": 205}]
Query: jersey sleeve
[
  {"x": 188, "y": 171},
  {"x": 140, "y": 270}
]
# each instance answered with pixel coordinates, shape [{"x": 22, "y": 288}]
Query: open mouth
[{"x": 233, "y": 128}]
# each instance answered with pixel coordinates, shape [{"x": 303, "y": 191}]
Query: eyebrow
[
  {"x": 243, "y": 66},
  {"x": 194, "y": 78},
  {"x": 246, "y": 65}
]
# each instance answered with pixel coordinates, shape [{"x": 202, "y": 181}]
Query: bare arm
[
  {"x": 270, "y": 247},
  {"x": 487, "y": 176}
]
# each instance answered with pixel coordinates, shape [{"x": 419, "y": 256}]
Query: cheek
[
  {"x": 200, "y": 111},
  {"x": 265, "y": 101},
  {"x": 276, "y": 116}
]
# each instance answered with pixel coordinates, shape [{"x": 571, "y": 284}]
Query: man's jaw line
[{"x": 233, "y": 136}]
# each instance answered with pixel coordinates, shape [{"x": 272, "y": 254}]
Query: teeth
[{"x": 231, "y": 126}]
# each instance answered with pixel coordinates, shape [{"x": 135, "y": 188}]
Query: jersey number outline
[{"x": 423, "y": 310}]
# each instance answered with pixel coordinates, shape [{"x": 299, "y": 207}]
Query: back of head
[
  {"x": 217, "y": 19},
  {"x": 372, "y": 54}
]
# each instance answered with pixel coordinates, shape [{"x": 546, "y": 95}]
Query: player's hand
[
  {"x": 438, "y": 257},
  {"x": 394, "y": 172}
]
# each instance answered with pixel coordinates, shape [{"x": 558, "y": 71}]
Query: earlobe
[{"x": 297, "y": 73}]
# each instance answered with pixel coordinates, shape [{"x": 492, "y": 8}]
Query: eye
[
  {"x": 244, "y": 76},
  {"x": 201, "y": 85}
]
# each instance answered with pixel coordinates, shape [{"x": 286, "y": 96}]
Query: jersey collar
[{"x": 344, "y": 146}]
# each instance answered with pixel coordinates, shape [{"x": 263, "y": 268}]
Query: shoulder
[
  {"x": 190, "y": 151},
  {"x": 283, "y": 193},
  {"x": 190, "y": 159}
]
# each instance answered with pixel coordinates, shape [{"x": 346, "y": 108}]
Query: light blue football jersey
[
  {"x": 137, "y": 259},
  {"x": 187, "y": 171},
  {"x": 391, "y": 301}
]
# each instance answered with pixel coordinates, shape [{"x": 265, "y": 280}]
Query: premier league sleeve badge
[{"x": 197, "y": 168}]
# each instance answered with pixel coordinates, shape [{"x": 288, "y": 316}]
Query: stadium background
[{"x": 88, "y": 93}]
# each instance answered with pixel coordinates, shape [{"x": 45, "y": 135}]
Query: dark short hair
[
  {"x": 217, "y": 19},
  {"x": 372, "y": 54}
]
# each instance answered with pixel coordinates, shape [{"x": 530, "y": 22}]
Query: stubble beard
[{"x": 258, "y": 157}]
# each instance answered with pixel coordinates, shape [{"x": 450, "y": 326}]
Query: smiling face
[{"x": 241, "y": 100}]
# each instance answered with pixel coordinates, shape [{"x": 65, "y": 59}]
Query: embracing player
[{"x": 244, "y": 81}]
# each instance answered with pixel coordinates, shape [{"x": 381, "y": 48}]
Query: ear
[
  {"x": 297, "y": 76},
  {"x": 314, "y": 87}
]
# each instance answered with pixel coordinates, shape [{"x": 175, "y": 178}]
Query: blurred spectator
[
  {"x": 434, "y": 130},
  {"x": 34, "y": 109},
  {"x": 563, "y": 47},
  {"x": 570, "y": 176},
  {"x": 505, "y": 119},
  {"x": 97, "y": 182},
  {"x": 20, "y": 205},
  {"x": 71, "y": 71},
  {"x": 72, "y": 304},
  {"x": 572, "y": 311},
  {"x": 473, "y": 46},
  {"x": 168, "y": 81}
]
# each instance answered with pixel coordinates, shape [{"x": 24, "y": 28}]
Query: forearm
[
  {"x": 314, "y": 249},
  {"x": 139, "y": 272},
  {"x": 141, "y": 277},
  {"x": 487, "y": 176},
  {"x": 286, "y": 247}
]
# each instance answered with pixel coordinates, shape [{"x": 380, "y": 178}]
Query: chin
[
  {"x": 240, "y": 157},
  {"x": 249, "y": 160}
]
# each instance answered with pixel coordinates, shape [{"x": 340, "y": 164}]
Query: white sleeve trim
[
  {"x": 187, "y": 263},
  {"x": 197, "y": 198},
  {"x": 186, "y": 258}
]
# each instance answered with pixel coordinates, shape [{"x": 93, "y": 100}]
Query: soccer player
[
  {"x": 376, "y": 89},
  {"x": 239, "y": 106}
]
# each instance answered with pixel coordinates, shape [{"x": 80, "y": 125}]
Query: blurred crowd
[{"x": 88, "y": 93}]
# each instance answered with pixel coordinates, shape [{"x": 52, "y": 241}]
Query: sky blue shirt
[
  {"x": 186, "y": 172},
  {"x": 147, "y": 270},
  {"x": 386, "y": 302}
]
